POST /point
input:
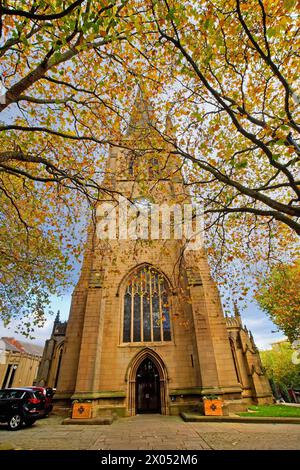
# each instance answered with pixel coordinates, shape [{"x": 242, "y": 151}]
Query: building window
[
  {"x": 58, "y": 366},
  {"x": 9, "y": 375},
  {"x": 131, "y": 167},
  {"x": 235, "y": 362},
  {"x": 146, "y": 307}
]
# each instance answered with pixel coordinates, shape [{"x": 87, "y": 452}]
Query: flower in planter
[
  {"x": 81, "y": 400},
  {"x": 211, "y": 397}
]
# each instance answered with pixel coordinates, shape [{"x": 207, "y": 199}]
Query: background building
[
  {"x": 51, "y": 361},
  {"x": 19, "y": 362}
]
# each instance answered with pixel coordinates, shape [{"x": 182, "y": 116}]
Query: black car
[{"x": 18, "y": 406}]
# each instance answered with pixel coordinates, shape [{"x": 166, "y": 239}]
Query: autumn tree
[
  {"x": 235, "y": 65},
  {"x": 64, "y": 85},
  {"x": 225, "y": 73},
  {"x": 280, "y": 367},
  {"x": 231, "y": 86},
  {"x": 279, "y": 297}
]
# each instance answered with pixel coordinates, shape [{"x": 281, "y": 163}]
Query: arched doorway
[
  {"x": 147, "y": 375},
  {"x": 147, "y": 388}
]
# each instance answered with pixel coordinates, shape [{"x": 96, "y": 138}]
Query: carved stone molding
[{"x": 193, "y": 276}]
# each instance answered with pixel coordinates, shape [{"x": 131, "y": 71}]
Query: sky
[{"x": 252, "y": 317}]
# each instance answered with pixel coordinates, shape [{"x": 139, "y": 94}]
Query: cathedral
[{"x": 146, "y": 331}]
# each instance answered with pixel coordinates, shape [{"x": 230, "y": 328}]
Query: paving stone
[{"x": 153, "y": 433}]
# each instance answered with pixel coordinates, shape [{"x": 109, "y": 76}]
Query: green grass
[{"x": 273, "y": 410}]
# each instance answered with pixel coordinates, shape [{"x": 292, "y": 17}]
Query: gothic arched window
[
  {"x": 153, "y": 167},
  {"x": 146, "y": 307},
  {"x": 235, "y": 362}
]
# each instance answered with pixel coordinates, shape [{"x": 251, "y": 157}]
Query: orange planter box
[
  {"x": 82, "y": 410},
  {"x": 213, "y": 407}
]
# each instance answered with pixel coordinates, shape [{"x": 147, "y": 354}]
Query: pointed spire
[
  {"x": 140, "y": 114},
  {"x": 169, "y": 128},
  {"x": 236, "y": 309},
  {"x": 57, "y": 318},
  {"x": 237, "y": 314}
]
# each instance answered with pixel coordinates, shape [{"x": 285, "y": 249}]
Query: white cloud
[
  {"x": 263, "y": 329},
  {"x": 41, "y": 334}
]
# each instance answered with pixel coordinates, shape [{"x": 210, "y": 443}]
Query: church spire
[
  {"x": 169, "y": 127},
  {"x": 237, "y": 314},
  {"x": 57, "y": 318},
  {"x": 236, "y": 310},
  {"x": 56, "y": 322},
  {"x": 170, "y": 133},
  {"x": 140, "y": 114}
]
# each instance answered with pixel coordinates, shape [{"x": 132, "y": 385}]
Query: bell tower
[{"x": 146, "y": 331}]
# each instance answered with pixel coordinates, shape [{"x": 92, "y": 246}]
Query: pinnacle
[{"x": 140, "y": 114}]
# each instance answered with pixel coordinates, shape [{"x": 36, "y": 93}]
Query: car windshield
[{"x": 6, "y": 394}]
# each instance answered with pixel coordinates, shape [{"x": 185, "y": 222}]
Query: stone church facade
[
  {"x": 146, "y": 331},
  {"x": 49, "y": 369}
]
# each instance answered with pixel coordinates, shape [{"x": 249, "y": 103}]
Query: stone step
[{"x": 102, "y": 420}]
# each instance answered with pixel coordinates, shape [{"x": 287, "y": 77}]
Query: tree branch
[{"x": 42, "y": 16}]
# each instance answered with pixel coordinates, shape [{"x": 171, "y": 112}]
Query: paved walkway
[{"x": 153, "y": 432}]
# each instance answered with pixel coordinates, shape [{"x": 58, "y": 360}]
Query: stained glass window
[
  {"x": 131, "y": 166},
  {"x": 156, "y": 317},
  {"x": 146, "y": 308},
  {"x": 127, "y": 318},
  {"x": 137, "y": 318},
  {"x": 153, "y": 167},
  {"x": 166, "y": 317},
  {"x": 146, "y": 319}
]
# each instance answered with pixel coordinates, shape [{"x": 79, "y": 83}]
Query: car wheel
[{"x": 15, "y": 422}]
